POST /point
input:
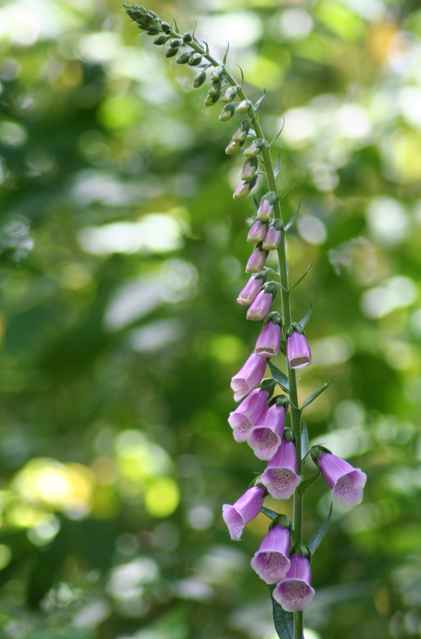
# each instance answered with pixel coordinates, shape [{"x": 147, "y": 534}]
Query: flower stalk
[{"x": 261, "y": 426}]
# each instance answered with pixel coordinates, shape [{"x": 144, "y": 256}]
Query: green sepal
[
  {"x": 289, "y": 435},
  {"x": 279, "y": 377},
  {"x": 283, "y": 520},
  {"x": 305, "y": 484},
  {"x": 270, "y": 287},
  {"x": 270, "y": 196},
  {"x": 278, "y": 224},
  {"x": 227, "y": 112},
  {"x": 280, "y": 400},
  {"x": 317, "y": 539},
  {"x": 274, "y": 317},
  {"x": 316, "y": 453},
  {"x": 301, "y": 549},
  {"x": 268, "y": 385},
  {"x": 316, "y": 394}
]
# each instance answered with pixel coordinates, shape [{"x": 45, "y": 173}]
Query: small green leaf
[
  {"x": 278, "y": 134},
  {"x": 283, "y": 620},
  {"x": 305, "y": 484},
  {"x": 256, "y": 203},
  {"x": 305, "y": 443},
  {"x": 269, "y": 513},
  {"x": 317, "y": 393},
  {"x": 306, "y": 317},
  {"x": 285, "y": 191},
  {"x": 317, "y": 539},
  {"x": 279, "y": 377},
  {"x": 294, "y": 217},
  {"x": 260, "y": 100},
  {"x": 277, "y": 166},
  {"x": 300, "y": 279}
]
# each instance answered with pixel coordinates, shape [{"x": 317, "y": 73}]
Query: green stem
[{"x": 287, "y": 315}]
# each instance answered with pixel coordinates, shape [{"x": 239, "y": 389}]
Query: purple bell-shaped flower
[
  {"x": 294, "y": 592},
  {"x": 243, "y": 511},
  {"x": 249, "y": 376},
  {"x": 280, "y": 476},
  {"x": 271, "y": 561}
]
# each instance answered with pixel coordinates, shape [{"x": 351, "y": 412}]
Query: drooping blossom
[
  {"x": 243, "y": 511},
  {"x": 265, "y": 436},
  {"x": 249, "y": 376},
  {"x": 280, "y": 476},
  {"x": 256, "y": 260},
  {"x": 248, "y": 413},
  {"x": 298, "y": 351},
  {"x": 269, "y": 341},
  {"x": 271, "y": 561},
  {"x": 294, "y": 591},
  {"x": 346, "y": 481}
]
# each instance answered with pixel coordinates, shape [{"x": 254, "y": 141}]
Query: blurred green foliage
[{"x": 121, "y": 255}]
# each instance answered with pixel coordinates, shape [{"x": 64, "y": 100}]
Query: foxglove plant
[{"x": 283, "y": 560}]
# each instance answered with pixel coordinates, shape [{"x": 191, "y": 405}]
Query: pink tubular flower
[
  {"x": 249, "y": 376},
  {"x": 260, "y": 307},
  {"x": 271, "y": 560},
  {"x": 244, "y": 188},
  {"x": 346, "y": 481},
  {"x": 272, "y": 239},
  {"x": 298, "y": 351},
  {"x": 295, "y": 592},
  {"x": 266, "y": 436},
  {"x": 269, "y": 341},
  {"x": 249, "y": 292},
  {"x": 248, "y": 413},
  {"x": 267, "y": 203},
  {"x": 256, "y": 261},
  {"x": 243, "y": 511},
  {"x": 280, "y": 476},
  {"x": 257, "y": 232}
]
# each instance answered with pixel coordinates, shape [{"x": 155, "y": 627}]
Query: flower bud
[
  {"x": 229, "y": 94},
  {"x": 170, "y": 53},
  {"x": 257, "y": 232},
  {"x": 194, "y": 60},
  {"x": 255, "y": 147},
  {"x": 241, "y": 133},
  {"x": 183, "y": 58},
  {"x": 187, "y": 37},
  {"x": 232, "y": 148},
  {"x": 269, "y": 341},
  {"x": 214, "y": 88},
  {"x": 273, "y": 237},
  {"x": 217, "y": 74},
  {"x": 211, "y": 99},
  {"x": 267, "y": 203},
  {"x": 199, "y": 79},
  {"x": 153, "y": 30},
  {"x": 243, "y": 189},
  {"x": 166, "y": 28},
  {"x": 161, "y": 39},
  {"x": 256, "y": 261},
  {"x": 227, "y": 113},
  {"x": 244, "y": 106},
  {"x": 175, "y": 43},
  {"x": 260, "y": 307},
  {"x": 249, "y": 169}
]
